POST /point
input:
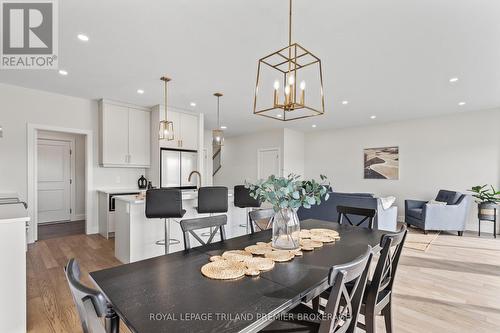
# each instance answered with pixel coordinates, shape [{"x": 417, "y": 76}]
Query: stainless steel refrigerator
[{"x": 175, "y": 167}]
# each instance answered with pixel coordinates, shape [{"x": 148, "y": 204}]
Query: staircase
[{"x": 216, "y": 159}]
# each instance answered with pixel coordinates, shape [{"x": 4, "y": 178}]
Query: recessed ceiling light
[
  {"x": 461, "y": 104},
  {"x": 193, "y": 104},
  {"x": 140, "y": 91},
  {"x": 279, "y": 116},
  {"x": 63, "y": 72},
  {"x": 454, "y": 79},
  {"x": 223, "y": 127},
  {"x": 373, "y": 117},
  {"x": 345, "y": 102},
  {"x": 313, "y": 126},
  {"x": 83, "y": 38}
]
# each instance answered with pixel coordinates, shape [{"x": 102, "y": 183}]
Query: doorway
[
  {"x": 52, "y": 170},
  {"x": 269, "y": 162},
  {"x": 60, "y": 184}
]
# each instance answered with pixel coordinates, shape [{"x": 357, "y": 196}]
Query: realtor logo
[{"x": 29, "y": 36}]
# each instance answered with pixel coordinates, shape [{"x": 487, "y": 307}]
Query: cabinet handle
[{"x": 129, "y": 158}]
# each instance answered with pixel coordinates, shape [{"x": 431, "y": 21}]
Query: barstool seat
[
  {"x": 212, "y": 200},
  {"x": 242, "y": 199},
  {"x": 165, "y": 204}
]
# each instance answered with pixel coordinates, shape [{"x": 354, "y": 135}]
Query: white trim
[
  {"x": 79, "y": 217},
  {"x": 90, "y": 199},
  {"x": 261, "y": 150},
  {"x": 124, "y": 104}
]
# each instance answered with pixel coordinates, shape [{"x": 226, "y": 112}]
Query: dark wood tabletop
[{"x": 169, "y": 293}]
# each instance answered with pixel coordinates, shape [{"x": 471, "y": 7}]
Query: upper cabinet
[
  {"x": 186, "y": 131},
  {"x": 188, "y": 135},
  {"x": 124, "y": 135}
]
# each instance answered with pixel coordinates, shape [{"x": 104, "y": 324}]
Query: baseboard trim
[{"x": 78, "y": 217}]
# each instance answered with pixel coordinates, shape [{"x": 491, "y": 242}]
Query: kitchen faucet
[{"x": 199, "y": 177}]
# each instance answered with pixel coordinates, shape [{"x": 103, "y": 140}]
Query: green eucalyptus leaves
[{"x": 290, "y": 192}]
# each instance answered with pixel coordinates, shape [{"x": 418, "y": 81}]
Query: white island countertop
[
  {"x": 119, "y": 190},
  {"x": 13, "y": 213},
  {"x": 186, "y": 195}
]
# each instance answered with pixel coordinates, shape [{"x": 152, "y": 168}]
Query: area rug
[{"x": 417, "y": 240}]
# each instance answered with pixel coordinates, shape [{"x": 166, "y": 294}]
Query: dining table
[{"x": 168, "y": 293}]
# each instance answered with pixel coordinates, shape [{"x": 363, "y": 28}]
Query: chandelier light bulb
[
  {"x": 303, "y": 85},
  {"x": 287, "y": 90},
  {"x": 276, "y": 85},
  {"x": 291, "y": 80}
]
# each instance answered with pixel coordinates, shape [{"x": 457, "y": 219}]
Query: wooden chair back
[
  {"x": 344, "y": 303},
  {"x": 367, "y": 214},
  {"x": 216, "y": 224},
  {"x": 262, "y": 219}
]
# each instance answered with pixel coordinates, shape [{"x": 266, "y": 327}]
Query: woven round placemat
[
  {"x": 310, "y": 243},
  {"x": 325, "y": 232},
  {"x": 322, "y": 238},
  {"x": 224, "y": 270},
  {"x": 238, "y": 255},
  {"x": 215, "y": 258},
  {"x": 252, "y": 272},
  {"x": 258, "y": 249},
  {"x": 262, "y": 264},
  {"x": 280, "y": 255},
  {"x": 305, "y": 233}
]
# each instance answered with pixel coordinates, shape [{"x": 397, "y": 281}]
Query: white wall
[
  {"x": 20, "y": 106},
  {"x": 239, "y": 156},
  {"x": 293, "y": 152},
  {"x": 447, "y": 152},
  {"x": 78, "y": 202}
]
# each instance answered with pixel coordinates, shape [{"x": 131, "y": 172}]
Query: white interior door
[
  {"x": 54, "y": 176},
  {"x": 269, "y": 162}
]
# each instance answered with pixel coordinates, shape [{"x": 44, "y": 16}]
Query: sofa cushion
[
  {"x": 450, "y": 197},
  {"x": 415, "y": 212}
]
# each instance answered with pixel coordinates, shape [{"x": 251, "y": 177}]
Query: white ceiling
[{"x": 389, "y": 58}]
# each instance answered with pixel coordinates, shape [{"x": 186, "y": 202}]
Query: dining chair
[
  {"x": 91, "y": 304},
  {"x": 216, "y": 223},
  {"x": 378, "y": 293},
  {"x": 342, "y": 309},
  {"x": 366, "y": 214},
  {"x": 242, "y": 199},
  {"x": 378, "y": 298},
  {"x": 165, "y": 203},
  {"x": 261, "y": 218}
]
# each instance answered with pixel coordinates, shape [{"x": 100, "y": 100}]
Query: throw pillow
[
  {"x": 387, "y": 201},
  {"x": 435, "y": 202}
]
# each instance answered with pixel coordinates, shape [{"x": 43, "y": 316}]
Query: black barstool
[
  {"x": 242, "y": 199},
  {"x": 212, "y": 200},
  {"x": 164, "y": 203}
]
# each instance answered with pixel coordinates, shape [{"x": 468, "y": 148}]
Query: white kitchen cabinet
[
  {"x": 125, "y": 135},
  {"x": 188, "y": 130},
  {"x": 175, "y": 118},
  {"x": 185, "y": 131},
  {"x": 138, "y": 128}
]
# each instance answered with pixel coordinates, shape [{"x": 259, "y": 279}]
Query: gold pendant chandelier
[
  {"x": 166, "y": 130},
  {"x": 218, "y": 134},
  {"x": 290, "y": 67}
]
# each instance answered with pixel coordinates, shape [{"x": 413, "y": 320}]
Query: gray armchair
[{"x": 449, "y": 217}]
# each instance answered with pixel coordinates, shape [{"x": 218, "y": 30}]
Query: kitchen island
[{"x": 135, "y": 235}]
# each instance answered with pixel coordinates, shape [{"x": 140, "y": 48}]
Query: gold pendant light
[
  {"x": 290, "y": 67},
  {"x": 166, "y": 127},
  {"x": 218, "y": 134}
]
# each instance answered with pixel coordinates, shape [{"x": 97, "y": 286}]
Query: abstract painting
[{"x": 381, "y": 163}]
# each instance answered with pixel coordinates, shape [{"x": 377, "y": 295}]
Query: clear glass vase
[{"x": 286, "y": 229}]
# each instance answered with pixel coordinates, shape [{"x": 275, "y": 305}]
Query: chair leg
[
  {"x": 460, "y": 233},
  {"x": 111, "y": 321},
  {"x": 370, "y": 323},
  {"x": 315, "y": 303},
  {"x": 387, "y": 313}
]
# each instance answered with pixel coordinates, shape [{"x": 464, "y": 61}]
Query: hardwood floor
[
  {"x": 55, "y": 230},
  {"x": 453, "y": 287}
]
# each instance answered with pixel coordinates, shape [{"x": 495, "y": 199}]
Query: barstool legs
[{"x": 167, "y": 241}]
